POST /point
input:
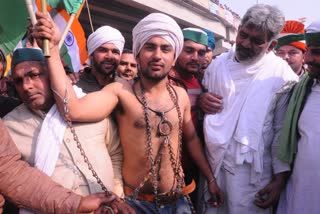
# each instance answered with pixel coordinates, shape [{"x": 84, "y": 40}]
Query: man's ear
[
  {"x": 174, "y": 62},
  {"x": 272, "y": 45}
]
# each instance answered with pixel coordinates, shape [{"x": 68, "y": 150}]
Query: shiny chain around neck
[{"x": 175, "y": 161}]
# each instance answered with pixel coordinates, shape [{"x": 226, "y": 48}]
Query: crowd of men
[{"x": 163, "y": 127}]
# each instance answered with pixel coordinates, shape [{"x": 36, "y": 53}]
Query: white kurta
[
  {"x": 239, "y": 140},
  {"x": 302, "y": 194}
]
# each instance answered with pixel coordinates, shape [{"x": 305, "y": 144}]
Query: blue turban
[{"x": 211, "y": 40}]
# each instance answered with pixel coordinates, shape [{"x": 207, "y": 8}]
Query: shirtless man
[{"x": 152, "y": 115}]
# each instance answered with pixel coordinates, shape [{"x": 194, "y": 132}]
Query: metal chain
[
  {"x": 149, "y": 146},
  {"x": 175, "y": 162},
  {"x": 178, "y": 167},
  {"x": 86, "y": 160}
]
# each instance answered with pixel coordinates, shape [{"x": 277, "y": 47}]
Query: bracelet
[{"x": 212, "y": 180}]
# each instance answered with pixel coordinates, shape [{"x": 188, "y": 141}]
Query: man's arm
[
  {"x": 210, "y": 103},
  {"x": 88, "y": 108},
  {"x": 269, "y": 195},
  {"x": 29, "y": 187},
  {"x": 196, "y": 152},
  {"x": 116, "y": 154}
]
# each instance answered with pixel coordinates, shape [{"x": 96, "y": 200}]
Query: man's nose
[{"x": 27, "y": 84}]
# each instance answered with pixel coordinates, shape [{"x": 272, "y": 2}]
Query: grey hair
[{"x": 267, "y": 18}]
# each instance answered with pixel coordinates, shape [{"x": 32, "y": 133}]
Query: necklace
[
  {"x": 164, "y": 130},
  {"x": 164, "y": 127}
]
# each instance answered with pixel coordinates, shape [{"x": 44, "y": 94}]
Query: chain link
[{"x": 175, "y": 161}]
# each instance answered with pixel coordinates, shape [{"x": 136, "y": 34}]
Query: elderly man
[
  {"x": 299, "y": 141},
  {"x": 45, "y": 141},
  {"x": 29, "y": 188},
  {"x": 291, "y": 46},
  {"x": 152, "y": 115},
  {"x": 105, "y": 46},
  {"x": 240, "y": 140},
  {"x": 127, "y": 68}
]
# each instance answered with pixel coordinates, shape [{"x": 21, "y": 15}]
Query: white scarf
[
  {"x": 49, "y": 141},
  {"x": 247, "y": 91}
]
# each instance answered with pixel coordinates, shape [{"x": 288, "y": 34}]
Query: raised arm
[{"x": 92, "y": 107}]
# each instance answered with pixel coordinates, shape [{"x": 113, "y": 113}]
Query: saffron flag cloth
[{"x": 73, "y": 50}]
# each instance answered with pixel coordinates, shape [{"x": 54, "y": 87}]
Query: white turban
[
  {"x": 314, "y": 27},
  {"x": 157, "y": 24},
  {"x": 105, "y": 34}
]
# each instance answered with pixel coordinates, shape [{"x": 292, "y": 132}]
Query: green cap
[
  {"x": 26, "y": 54},
  {"x": 196, "y": 35}
]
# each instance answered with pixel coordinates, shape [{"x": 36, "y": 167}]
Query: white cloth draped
[
  {"x": 49, "y": 141},
  {"x": 157, "y": 25},
  {"x": 244, "y": 112}
]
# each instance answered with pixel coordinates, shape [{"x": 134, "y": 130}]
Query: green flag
[
  {"x": 71, "y": 6},
  {"x": 13, "y": 23}
]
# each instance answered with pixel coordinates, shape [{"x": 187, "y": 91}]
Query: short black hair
[{"x": 127, "y": 51}]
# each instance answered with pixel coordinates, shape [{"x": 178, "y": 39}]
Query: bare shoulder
[
  {"x": 117, "y": 87},
  {"x": 181, "y": 92},
  {"x": 183, "y": 97}
]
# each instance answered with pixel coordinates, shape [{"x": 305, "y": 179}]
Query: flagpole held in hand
[
  {"x": 31, "y": 12},
  {"x": 46, "y": 50}
]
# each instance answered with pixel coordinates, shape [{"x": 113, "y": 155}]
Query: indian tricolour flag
[
  {"x": 13, "y": 23},
  {"x": 73, "y": 50}
]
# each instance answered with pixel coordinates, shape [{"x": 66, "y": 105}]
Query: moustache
[
  {"x": 192, "y": 63},
  {"x": 156, "y": 62},
  {"x": 244, "y": 50},
  {"x": 108, "y": 61}
]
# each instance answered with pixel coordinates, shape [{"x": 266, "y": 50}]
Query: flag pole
[
  {"x": 31, "y": 12},
  {"x": 46, "y": 50},
  {"x": 66, "y": 29}
]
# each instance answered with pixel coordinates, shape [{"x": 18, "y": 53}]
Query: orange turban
[{"x": 292, "y": 34}]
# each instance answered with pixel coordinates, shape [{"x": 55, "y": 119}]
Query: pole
[{"x": 46, "y": 49}]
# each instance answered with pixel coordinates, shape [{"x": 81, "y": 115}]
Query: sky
[{"x": 292, "y": 9}]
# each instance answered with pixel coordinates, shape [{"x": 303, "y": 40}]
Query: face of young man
[
  {"x": 156, "y": 58},
  {"x": 207, "y": 58},
  {"x": 251, "y": 44},
  {"x": 191, "y": 58},
  {"x": 32, "y": 84},
  {"x": 312, "y": 59},
  {"x": 294, "y": 56},
  {"x": 105, "y": 59},
  {"x": 127, "y": 68}
]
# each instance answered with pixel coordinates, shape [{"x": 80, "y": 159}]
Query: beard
[
  {"x": 98, "y": 66},
  {"x": 155, "y": 74},
  {"x": 246, "y": 56},
  {"x": 148, "y": 75}
]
